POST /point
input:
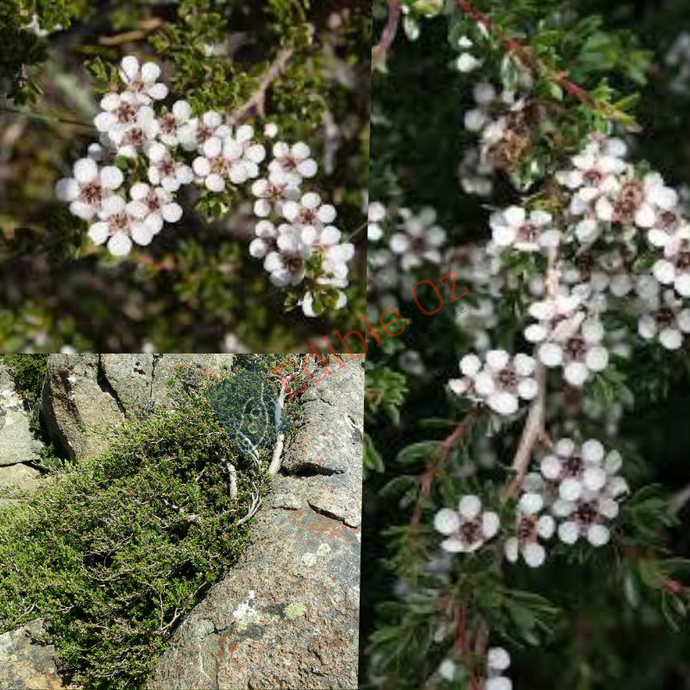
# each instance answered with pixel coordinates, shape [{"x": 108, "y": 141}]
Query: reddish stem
[
  {"x": 460, "y": 645},
  {"x": 427, "y": 477},
  {"x": 523, "y": 53},
  {"x": 388, "y": 34}
]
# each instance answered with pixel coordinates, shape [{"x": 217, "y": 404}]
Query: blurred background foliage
[
  {"x": 418, "y": 140},
  {"x": 196, "y": 285}
]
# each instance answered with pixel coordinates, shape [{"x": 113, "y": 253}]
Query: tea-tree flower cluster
[
  {"x": 583, "y": 485},
  {"x": 159, "y": 146}
]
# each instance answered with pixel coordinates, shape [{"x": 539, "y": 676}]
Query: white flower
[
  {"x": 121, "y": 111},
  {"x": 593, "y": 179},
  {"x": 657, "y": 199},
  {"x": 166, "y": 171},
  {"x": 129, "y": 141},
  {"x": 271, "y": 130},
  {"x": 197, "y": 131},
  {"x": 142, "y": 80},
  {"x": 266, "y": 238},
  {"x": 89, "y": 187},
  {"x": 153, "y": 206},
  {"x": 376, "y": 214},
  {"x": 500, "y": 382},
  {"x": 220, "y": 163},
  {"x": 420, "y": 239},
  {"x": 234, "y": 157},
  {"x": 525, "y": 232},
  {"x": 497, "y": 662},
  {"x": 309, "y": 211},
  {"x": 466, "y": 63},
  {"x": 447, "y": 669},
  {"x": 271, "y": 192},
  {"x": 252, "y": 153},
  {"x": 667, "y": 320},
  {"x": 674, "y": 268},
  {"x": 232, "y": 343},
  {"x": 293, "y": 162},
  {"x": 589, "y": 519},
  {"x": 467, "y": 528},
  {"x": 579, "y": 353},
  {"x": 530, "y": 527},
  {"x": 287, "y": 264},
  {"x": 576, "y": 469},
  {"x": 668, "y": 225},
  {"x": 170, "y": 123},
  {"x": 120, "y": 227}
]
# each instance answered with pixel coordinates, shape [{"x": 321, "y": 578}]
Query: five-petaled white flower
[
  {"x": 120, "y": 226},
  {"x": 170, "y": 123},
  {"x": 421, "y": 239},
  {"x": 89, "y": 187},
  {"x": 142, "y": 80},
  {"x": 529, "y": 529},
  {"x": 526, "y": 232},
  {"x": 468, "y": 527},
  {"x": 500, "y": 382},
  {"x": 293, "y": 162},
  {"x": 154, "y": 206},
  {"x": 165, "y": 170}
]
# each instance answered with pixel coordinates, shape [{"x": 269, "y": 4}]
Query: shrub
[
  {"x": 530, "y": 496},
  {"x": 113, "y": 553}
]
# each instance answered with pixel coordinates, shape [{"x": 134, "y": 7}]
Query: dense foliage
[
  {"x": 296, "y": 72},
  {"x": 529, "y": 508},
  {"x": 113, "y": 551}
]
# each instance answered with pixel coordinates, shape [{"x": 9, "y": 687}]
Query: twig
[
  {"x": 679, "y": 500},
  {"x": 524, "y": 54},
  {"x": 232, "y": 474},
  {"x": 256, "y": 503},
  {"x": 276, "y": 460},
  {"x": 390, "y": 31},
  {"x": 47, "y": 118},
  {"x": 145, "y": 28},
  {"x": 427, "y": 477},
  {"x": 534, "y": 430},
  {"x": 531, "y": 433},
  {"x": 257, "y": 100}
]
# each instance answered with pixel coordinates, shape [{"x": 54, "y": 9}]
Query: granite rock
[
  {"x": 25, "y": 665},
  {"x": 287, "y": 614},
  {"x": 86, "y": 394}
]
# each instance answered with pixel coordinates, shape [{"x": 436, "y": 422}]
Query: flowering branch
[
  {"x": 257, "y": 100},
  {"x": 432, "y": 469},
  {"x": 390, "y": 31},
  {"x": 534, "y": 427},
  {"x": 525, "y": 55}
]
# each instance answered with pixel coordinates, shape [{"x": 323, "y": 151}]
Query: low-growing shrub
[{"x": 113, "y": 553}]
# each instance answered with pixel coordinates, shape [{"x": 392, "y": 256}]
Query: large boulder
[
  {"x": 18, "y": 445},
  {"x": 25, "y": 665},
  {"x": 287, "y": 614},
  {"x": 84, "y": 395},
  {"x": 17, "y": 442}
]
